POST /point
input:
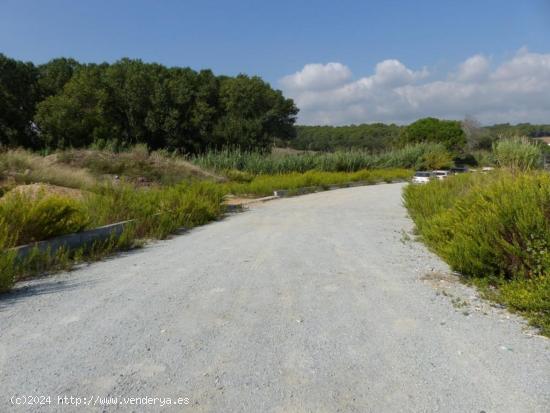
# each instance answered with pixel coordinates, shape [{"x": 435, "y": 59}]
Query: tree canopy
[
  {"x": 67, "y": 104},
  {"x": 374, "y": 137},
  {"x": 446, "y": 132},
  {"x": 64, "y": 103}
]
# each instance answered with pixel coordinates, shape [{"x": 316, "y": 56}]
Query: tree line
[
  {"x": 379, "y": 137},
  {"x": 458, "y": 136},
  {"x": 64, "y": 103}
]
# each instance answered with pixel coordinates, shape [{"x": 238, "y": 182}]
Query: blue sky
[{"x": 278, "y": 38}]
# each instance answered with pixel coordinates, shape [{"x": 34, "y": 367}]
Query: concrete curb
[
  {"x": 239, "y": 207},
  {"x": 73, "y": 241}
]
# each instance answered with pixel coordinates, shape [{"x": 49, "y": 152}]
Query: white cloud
[
  {"x": 474, "y": 68},
  {"x": 517, "y": 90},
  {"x": 316, "y": 76}
]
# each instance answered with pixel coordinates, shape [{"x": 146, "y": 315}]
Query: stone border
[{"x": 73, "y": 241}]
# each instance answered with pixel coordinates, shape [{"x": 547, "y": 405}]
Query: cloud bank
[{"x": 517, "y": 90}]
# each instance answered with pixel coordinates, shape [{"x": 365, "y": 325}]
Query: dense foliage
[
  {"x": 494, "y": 228},
  {"x": 67, "y": 104},
  {"x": 420, "y": 156},
  {"x": 446, "y": 132},
  {"x": 378, "y": 137},
  {"x": 374, "y": 137},
  {"x": 517, "y": 153},
  {"x": 521, "y": 129}
]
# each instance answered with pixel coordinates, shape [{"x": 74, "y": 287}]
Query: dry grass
[
  {"x": 136, "y": 165},
  {"x": 34, "y": 191},
  {"x": 23, "y": 167},
  {"x": 86, "y": 169}
]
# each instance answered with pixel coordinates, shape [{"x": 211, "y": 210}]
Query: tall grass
[
  {"x": 157, "y": 213},
  {"x": 262, "y": 185},
  {"x": 493, "y": 227},
  {"x": 518, "y": 153},
  {"x": 421, "y": 156},
  {"x": 33, "y": 218},
  {"x": 7, "y": 258}
]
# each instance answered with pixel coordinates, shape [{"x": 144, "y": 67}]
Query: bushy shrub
[
  {"x": 40, "y": 217},
  {"x": 435, "y": 157},
  {"x": 484, "y": 158},
  {"x": 487, "y": 225},
  {"x": 494, "y": 227},
  {"x": 158, "y": 211},
  {"x": 517, "y": 153},
  {"x": 7, "y": 258}
]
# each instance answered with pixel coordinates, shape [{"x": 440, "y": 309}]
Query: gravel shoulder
[{"x": 319, "y": 303}]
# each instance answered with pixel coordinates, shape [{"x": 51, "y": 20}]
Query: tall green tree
[
  {"x": 53, "y": 76},
  {"x": 18, "y": 98},
  {"x": 253, "y": 113},
  {"x": 76, "y": 117},
  {"x": 67, "y": 104},
  {"x": 446, "y": 132}
]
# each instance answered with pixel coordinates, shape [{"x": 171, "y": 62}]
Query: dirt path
[{"x": 320, "y": 303}]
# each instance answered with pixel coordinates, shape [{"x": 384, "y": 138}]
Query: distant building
[{"x": 545, "y": 139}]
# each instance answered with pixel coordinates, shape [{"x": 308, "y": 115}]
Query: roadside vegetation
[
  {"x": 84, "y": 145},
  {"x": 262, "y": 185},
  {"x": 157, "y": 212},
  {"x": 379, "y": 137},
  {"x": 494, "y": 228},
  {"x": 43, "y": 196},
  {"x": 418, "y": 156}
]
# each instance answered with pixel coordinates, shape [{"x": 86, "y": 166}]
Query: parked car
[
  {"x": 423, "y": 177},
  {"x": 459, "y": 170},
  {"x": 442, "y": 174}
]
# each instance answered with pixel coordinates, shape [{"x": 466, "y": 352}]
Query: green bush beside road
[{"x": 495, "y": 229}]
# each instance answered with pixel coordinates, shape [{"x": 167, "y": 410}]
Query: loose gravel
[{"x": 319, "y": 303}]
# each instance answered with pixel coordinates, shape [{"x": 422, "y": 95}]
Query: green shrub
[
  {"x": 158, "y": 211},
  {"x": 31, "y": 219},
  {"x": 238, "y": 176},
  {"x": 495, "y": 227},
  {"x": 484, "y": 158},
  {"x": 517, "y": 153},
  {"x": 435, "y": 157},
  {"x": 7, "y": 258}
]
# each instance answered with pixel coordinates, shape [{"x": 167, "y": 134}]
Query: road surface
[{"x": 319, "y": 303}]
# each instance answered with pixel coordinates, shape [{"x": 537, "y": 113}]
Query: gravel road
[{"x": 319, "y": 303}]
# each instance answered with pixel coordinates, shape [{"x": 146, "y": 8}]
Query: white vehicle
[
  {"x": 422, "y": 177},
  {"x": 442, "y": 174}
]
